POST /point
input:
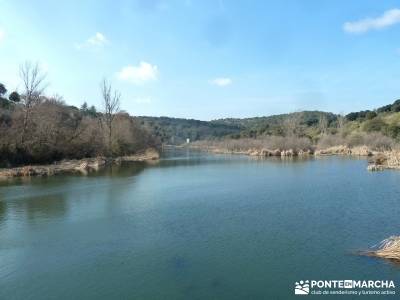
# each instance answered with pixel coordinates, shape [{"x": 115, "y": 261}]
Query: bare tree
[
  {"x": 323, "y": 124},
  {"x": 291, "y": 123},
  {"x": 111, "y": 101},
  {"x": 34, "y": 85},
  {"x": 340, "y": 123}
]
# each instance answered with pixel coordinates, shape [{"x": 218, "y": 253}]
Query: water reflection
[
  {"x": 43, "y": 207},
  {"x": 125, "y": 169},
  {"x": 3, "y": 211}
]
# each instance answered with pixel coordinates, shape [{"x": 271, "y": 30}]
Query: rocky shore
[
  {"x": 81, "y": 166},
  {"x": 378, "y": 160},
  {"x": 335, "y": 150}
]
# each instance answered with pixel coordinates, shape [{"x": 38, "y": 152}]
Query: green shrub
[{"x": 375, "y": 124}]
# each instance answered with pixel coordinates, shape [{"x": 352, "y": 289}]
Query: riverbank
[
  {"x": 385, "y": 160},
  {"x": 387, "y": 249},
  {"x": 79, "y": 166},
  {"x": 335, "y": 150},
  {"x": 377, "y": 160}
]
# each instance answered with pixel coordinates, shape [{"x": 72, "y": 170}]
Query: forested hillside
[
  {"x": 175, "y": 131},
  {"x": 305, "y": 124},
  {"x": 312, "y": 125},
  {"x": 37, "y": 128}
]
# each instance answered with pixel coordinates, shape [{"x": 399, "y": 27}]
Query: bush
[
  {"x": 329, "y": 140},
  {"x": 376, "y": 124},
  {"x": 393, "y": 131},
  {"x": 370, "y": 115},
  {"x": 14, "y": 97},
  {"x": 375, "y": 141}
]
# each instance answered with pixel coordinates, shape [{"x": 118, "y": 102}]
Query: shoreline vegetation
[
  {"x": 39, "y": 130},
  {"x": 374, "y": 134},
  {"x": 77, "y": 166},
  {"x": 41, "y": 135},
  {"x": 379, "y": 158},
  {"x": 388, "y": 249}
]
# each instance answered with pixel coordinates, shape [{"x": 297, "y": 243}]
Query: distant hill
[
  {"x": 303, "y": 123},
  {"x": 176, "y": 131},
  {"x": 310, "y": 124},
  {"x": 385, "y": 119}
]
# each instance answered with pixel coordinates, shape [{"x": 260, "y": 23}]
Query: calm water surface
[{"x": 195, "y": 226}]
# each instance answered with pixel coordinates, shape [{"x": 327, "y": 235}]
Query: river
[{"x": 195, "y": 226}]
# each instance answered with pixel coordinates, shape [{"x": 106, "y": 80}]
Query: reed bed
[{"x": 387, "y": 249}]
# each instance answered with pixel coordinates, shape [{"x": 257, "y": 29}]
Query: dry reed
[{"x": 387, "y": 249}]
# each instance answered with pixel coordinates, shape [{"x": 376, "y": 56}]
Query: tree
[
  {"x": 341, "y": 120},
  {"x": 14, "y": 97},
  {"x": 291, "y": 124},
  {"x": 3, "y": 90},
  {"x": 92, "y": 112},
  {"x": 84, "y": 107},
  {"x": 111, "y": 101},
  {"x": 370, "y": 115},
  {"x": 34, "y": 86},
  {"x": 323, "y": 124},
  {"x": 396, "y": 106},
  {"x": 376, "y": 124}
]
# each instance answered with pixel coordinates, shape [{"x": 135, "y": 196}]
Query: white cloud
[
  {"x": 389, "y": 18},
  {"x": 139, "y": 74},
  {"x": 95, "y": 41},
  {"x": 221, "y": 81}
]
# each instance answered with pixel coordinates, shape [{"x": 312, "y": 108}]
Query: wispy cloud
[
  {"x": 139, "y": 74},
  {"x": 96, "y": 41},
  {"x": 221, "y": 81},
  {"x": 389, "y": 18}
]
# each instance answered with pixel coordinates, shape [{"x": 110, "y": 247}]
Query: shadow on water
[
  {"x": 3, "y": 211},
  {"x": 50, "y": 197},
  {"x": 37, "y": 208},
  {"x": 125, "y": 169},
  {"x": 43, "y": 207}
]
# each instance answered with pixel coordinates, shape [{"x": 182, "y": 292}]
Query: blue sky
[{"x": 209, "y": 59}]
